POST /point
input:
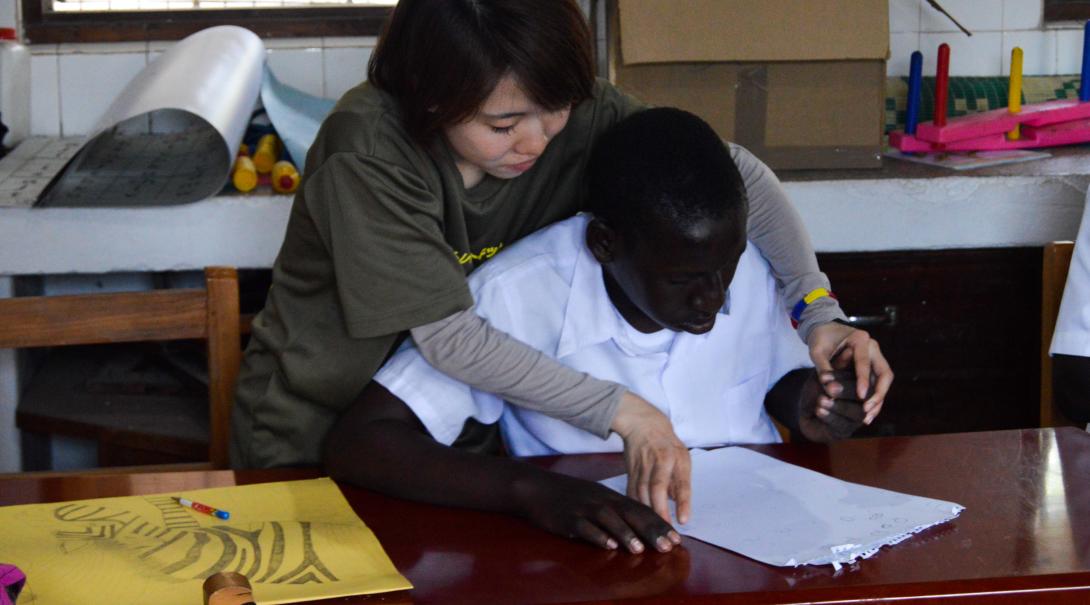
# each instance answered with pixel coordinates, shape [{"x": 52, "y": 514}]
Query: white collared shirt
[
  {"x": 1072, "y": 335},
  {"x": 547, "y": 291}
]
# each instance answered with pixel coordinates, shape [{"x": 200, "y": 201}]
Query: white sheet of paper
[{"x": 785, "y": 515}]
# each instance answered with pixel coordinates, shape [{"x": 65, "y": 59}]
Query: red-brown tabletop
[{"x": 1023, "y": 538}]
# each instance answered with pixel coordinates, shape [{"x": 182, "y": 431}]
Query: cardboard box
[{"x": 801, "y": 83}]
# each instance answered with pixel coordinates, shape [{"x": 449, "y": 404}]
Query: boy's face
[{"x": 661, "y": 276}]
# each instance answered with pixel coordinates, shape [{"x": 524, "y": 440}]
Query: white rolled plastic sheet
[{"x": 172, "y": 134}]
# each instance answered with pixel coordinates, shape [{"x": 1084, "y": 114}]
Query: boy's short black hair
[
  {"x": 440, "y": 59},
  {"x": 663, "y": 163}
]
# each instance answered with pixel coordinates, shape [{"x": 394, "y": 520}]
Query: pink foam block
[
  {"x": 999, "y": 121},
  {"x": 908, "y": 143},
  {"x": 1067, "y": 133}
]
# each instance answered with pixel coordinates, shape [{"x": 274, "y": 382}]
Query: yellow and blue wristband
[{"x": 815, "y": 294}]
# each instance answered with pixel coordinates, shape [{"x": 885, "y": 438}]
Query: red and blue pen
[{"x": 203, "y": 508}]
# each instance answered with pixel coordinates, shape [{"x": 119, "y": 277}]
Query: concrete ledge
[
  {"x": 841, "y": 215},
  {"x": 902, "y": 206},
  {"x": 240, "y": 231},
  {"x": 935, "y": 213}
]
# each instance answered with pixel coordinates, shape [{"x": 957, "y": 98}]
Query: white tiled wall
[
  {"x": 89, "y": 77},
  {"x": 997, "y": 27},
  {"x": 8, "y": 13},
  {"x": 72, "y": 85}
]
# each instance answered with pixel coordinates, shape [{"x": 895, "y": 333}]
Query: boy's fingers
[
  {"x": 830, "y": 387},
  {"x": 848, "y": 410},
  {"x": 650, "y": 528},
  {"x": 843, "y": 418},
  {"x": 613, "y": 524},
  {"x": 591, "y": 533}
]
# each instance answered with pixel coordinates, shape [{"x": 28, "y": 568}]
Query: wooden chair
[
  {"x": 1056, "y": 260},
  {"x": 211, "y": 314}
]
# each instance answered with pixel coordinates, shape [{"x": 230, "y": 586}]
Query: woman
[{"x": 473, "y": 130}]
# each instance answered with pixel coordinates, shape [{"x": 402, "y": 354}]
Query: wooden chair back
[
  {"x": 1054, "y": 266},
  {"x": 211, "y": 314}
]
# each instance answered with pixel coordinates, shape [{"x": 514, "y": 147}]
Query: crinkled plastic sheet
[
  {"x": 785, "y": 515},
  {"x": 172, "y": 134}
]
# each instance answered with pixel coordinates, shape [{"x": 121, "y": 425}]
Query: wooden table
[{"x": 1023, "y": 538}]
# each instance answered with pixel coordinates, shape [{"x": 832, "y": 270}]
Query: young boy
[{"x": 637, "y": 293}]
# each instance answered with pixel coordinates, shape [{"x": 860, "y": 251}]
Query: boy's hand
[
  {"x": 835, "y": 346},
  {"x": 823, "y": 418},
  {"x": 576, "y": 508},
  {"x": 657, "y": 461}
]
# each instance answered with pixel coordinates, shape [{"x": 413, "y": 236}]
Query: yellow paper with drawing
[{"x": 294, "y": 540}]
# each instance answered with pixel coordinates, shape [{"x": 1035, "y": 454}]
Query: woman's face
[{"x": 506, "y": 136}]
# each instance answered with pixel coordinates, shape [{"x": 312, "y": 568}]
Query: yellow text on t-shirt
[{"x": 486, "y": 253}]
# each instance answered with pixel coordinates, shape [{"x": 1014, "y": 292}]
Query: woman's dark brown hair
[{"x": 440, "y": 59}]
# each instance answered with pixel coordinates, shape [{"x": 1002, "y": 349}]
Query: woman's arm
[
  {"x": 380, "y": 444},
  {"x": 777, "y": 229},
  {"x": 467, "y": 348}
]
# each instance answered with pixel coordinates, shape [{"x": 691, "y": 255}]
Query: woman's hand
[
  {"x": 835, "y": 346},
  {"x": 657, "y": 461},
  {"x": 576, "y": 508}
]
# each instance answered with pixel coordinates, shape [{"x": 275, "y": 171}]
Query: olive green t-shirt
[{"x": 381, "y": 236}]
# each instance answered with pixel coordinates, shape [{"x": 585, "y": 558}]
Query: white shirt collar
[{"x": 590, "y": 317}]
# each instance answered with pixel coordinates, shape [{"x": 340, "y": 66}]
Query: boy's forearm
[
  {"x": 380, "y": 444},
  {"x": 783, "y": 400},
  {"x": 377, "y": 446}
]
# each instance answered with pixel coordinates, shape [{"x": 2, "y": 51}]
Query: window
[
  {"x": 71, "y": 6},
  {"x": 1067, "y": 10},
  {"x": 53, "y": 21}
]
